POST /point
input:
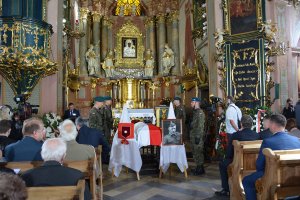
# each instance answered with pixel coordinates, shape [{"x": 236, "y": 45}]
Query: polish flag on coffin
[{"x": 147, "y": 134}]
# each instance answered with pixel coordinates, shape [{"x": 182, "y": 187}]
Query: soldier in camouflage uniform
[
  {"x": 96, "y": 115},
  {"x": 197, "y": 136},
  {"x": 180, "y": 114},
  {"x": 179, "y": 109},
  {"x": 108, "y": 118}
]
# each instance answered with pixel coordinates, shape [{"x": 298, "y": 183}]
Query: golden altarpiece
[{"x": 131, "y": 55}]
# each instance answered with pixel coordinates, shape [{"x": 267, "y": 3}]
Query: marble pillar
[
  {"x": 83, "y": 41},
  {"x": 151, "y": 39},
  {"x": 109, "y": 35},
  {"x": 175, "y": 41},
  {"x": 104, "y": 37},
  {"x": 161, "y": 28},
  {"x": 96, "y": 37}
]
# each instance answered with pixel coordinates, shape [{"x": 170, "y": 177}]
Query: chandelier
[{"x": 128, "y": 7}]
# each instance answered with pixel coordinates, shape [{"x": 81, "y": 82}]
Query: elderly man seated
[
  {"x": 92, "y": 136},
  {"x": 75, "y": 151},
  {"x": 52, "y": 172},
  {"x": 29, "y": 148}
]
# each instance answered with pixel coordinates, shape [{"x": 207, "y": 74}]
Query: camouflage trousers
[{"x": 197, "y": 144}]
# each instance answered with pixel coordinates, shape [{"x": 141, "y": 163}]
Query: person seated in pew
[
  {"x": 75, "y": 151},
  {"x": 280, "y": 140},
  {"x": 291, "y": 127},
  {"x": 12, "y": 187},
  {"x": 245, "y": 134},
  {"x": 29, "y": 148},
  {"x": 266, "y": 132},
  {"x": 92, "y": 136},
  {"x": 52, "y": 172},
  {"x": 5, "y": 128}
]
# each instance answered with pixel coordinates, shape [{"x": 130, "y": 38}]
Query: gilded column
[
  {"x": 83, "y": 41},
  {"x": 151, "y": 38},
  {"x": 104, "y": 37},
  {"x": 175, "y": 42},
  {"x": 161, "y": 39},
  {"x": 109, "y": 34},
  {"x": 96, "y": 37}
]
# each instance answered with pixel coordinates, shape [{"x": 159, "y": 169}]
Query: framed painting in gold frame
[{"x": 242, "y": 16}]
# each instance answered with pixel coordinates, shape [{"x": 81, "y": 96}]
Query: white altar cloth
[
  {"x": 124, "y": 154},
  {"x": 139, "y": 113},
  {"x": 173, "y": 154}
]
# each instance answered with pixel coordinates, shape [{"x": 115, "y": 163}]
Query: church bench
[
  {"x": 243, "y": 164},
  {"x": 85, "y": 166},
  {"x": 98, "y": 151},
  {"x": 282, "y": 175},
  {"x": 57, "y": 192}
]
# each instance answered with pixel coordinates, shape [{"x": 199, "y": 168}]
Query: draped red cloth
[{"x": 155, "y": 135}]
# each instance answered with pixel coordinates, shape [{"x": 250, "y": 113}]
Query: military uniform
[
  {"x": 180, "y": 112},
  {"x": 96, "y": 119},
  {"x": 197, "y": 137},
  {"x": 108, "y": 121}
]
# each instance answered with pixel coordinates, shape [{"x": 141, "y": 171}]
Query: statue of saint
[
  {"x": 91, "y": 59},
  {"x": 108, "y": 64},
  {"x": 149, "y": 66},
  {"x": 168, "y": 60},
  {"x": 129, "y": 49},
  {"x": 270, "y": 30}
]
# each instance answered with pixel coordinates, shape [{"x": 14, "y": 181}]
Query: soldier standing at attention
[
  {"x": 96, "y": 116},
  {"x": 197, "y": 136},
  {"x": 108, "y": 118},
  {"x": 179, "y": 109}
]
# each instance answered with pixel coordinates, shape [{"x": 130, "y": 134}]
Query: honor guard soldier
[
  {"x": 179, "y": 109},
  {"x": 95, "y": 115},
  {"x": 197, "y": 136},
  {"x": 108, "y": 118}
]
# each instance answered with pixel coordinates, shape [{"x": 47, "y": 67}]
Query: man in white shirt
[{"x": 233, "y": 115}]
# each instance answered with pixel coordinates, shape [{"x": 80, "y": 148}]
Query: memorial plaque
[{"x": 246, "y": 74}]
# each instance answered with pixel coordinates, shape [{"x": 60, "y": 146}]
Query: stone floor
[{"x": 170, "y": 187}]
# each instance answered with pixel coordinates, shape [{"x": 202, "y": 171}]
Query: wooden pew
[
  {"x": 282, "y": 175},
  {"x": 98, "y": 151},
  {"x": 243, "y": 164},
  {"x": 57, "y": 192},
  {"x": 85, "y": 166}
]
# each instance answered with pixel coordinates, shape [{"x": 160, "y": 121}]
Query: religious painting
[
  {"x": 172, "y": 132},
  {"x": 243, "y": 16},
  {"x": 129, "y": 47}
]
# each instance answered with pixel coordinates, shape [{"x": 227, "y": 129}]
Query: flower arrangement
[
  {"x": 258, "y": 114},
  {"x": 51, "y": 122},
  {"x": 221, "y": 138}
]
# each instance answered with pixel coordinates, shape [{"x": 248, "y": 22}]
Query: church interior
[{"x": 167, "y": 64}]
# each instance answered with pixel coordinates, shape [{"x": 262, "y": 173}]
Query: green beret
[
  {"x": 107, "y": 98},
  {"x": 99, "y": 99},
  {"x": 177, "y": 98},
  {"x": 196, "y": 99}
]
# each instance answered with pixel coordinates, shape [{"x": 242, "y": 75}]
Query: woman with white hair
[{"x": 75, "y": 151}]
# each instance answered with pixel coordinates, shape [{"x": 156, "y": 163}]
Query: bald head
[{"x": 54, "y": 149}]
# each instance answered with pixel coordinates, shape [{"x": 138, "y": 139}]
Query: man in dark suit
[
  {"x": 245, "y": 134},
  {"x": 5, "y": 128},
  {"x": 52, "y": 172},
  {"x": 279, "y": 141},
  {"x": 71, "y": 113},
  {"x": 29, "y": 148},
  {"x": 92, "y": 136},
  {"x": 266, "y": 133}
]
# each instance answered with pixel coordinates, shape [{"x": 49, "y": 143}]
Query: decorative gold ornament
[
  {"x": 96, "y": 16},
  {"x": 84, "y": 12},
  {"x": 129, "y": 31},
  {"x": 128, "y": 7}
]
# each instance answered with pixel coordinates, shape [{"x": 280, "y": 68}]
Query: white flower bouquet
[{"x": 51, "y": 122}]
